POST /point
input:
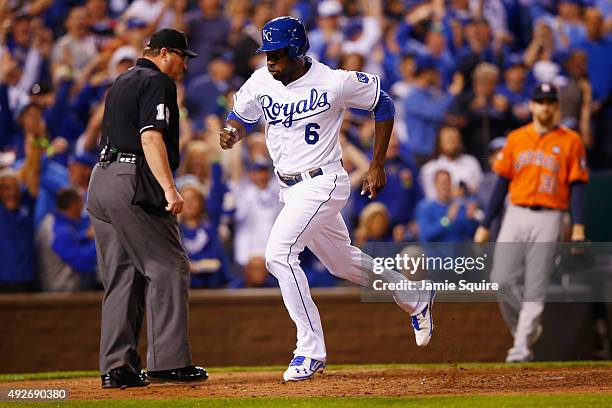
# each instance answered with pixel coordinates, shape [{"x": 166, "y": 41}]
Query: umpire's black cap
[
  {"x": 171, "y": 38},
  {"x": 545, "y": 91}
]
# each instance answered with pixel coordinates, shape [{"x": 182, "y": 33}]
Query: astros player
[
  {"x": 302, "y": 102},
  {"x": 543, "y": 166}
]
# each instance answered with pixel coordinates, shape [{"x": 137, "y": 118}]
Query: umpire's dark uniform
[{"x": 142, "y": 261}]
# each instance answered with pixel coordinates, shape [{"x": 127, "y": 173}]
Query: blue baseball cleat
[
  {"x": 422, "y": 322},
  {"x": 302, "y": 368}
]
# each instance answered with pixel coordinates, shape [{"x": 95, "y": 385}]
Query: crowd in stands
[{"x": 460, "y": 73}]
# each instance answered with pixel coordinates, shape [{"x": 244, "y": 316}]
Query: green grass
[
  {"x": 212, "y": 370},
  {"x": 538, "y": 401}
]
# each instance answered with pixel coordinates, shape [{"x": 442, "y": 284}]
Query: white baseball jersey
[{"x": 303, "y": 119}]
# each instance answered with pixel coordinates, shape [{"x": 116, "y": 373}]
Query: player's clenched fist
[{"x": 228, "y": 137}]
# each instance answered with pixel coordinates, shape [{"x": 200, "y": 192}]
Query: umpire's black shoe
[
  {"x": 181, "y": 375},
  {"x": 122, "y": 377}
]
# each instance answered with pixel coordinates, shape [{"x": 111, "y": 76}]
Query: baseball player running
[
  {"x": 543, "y": 166},
  {"x": 302, "y": 102}
]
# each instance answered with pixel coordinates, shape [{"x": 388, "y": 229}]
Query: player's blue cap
[{"x": 285, "y": 32}]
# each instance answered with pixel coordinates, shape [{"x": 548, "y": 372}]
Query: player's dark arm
[
  {"x": 496, "y": 203},
  {"x": 577, "y": 191},
  {"x": 375, "y": 179}
]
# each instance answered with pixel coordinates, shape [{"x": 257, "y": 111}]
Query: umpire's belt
[{"x": 126, "y": 158}]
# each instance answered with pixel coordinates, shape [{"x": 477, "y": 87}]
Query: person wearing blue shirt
[
  {"x": 425, "y": 108},
  {"x": 445, "y": 219},
  {"x": 66, "y": 246},
  {"x": 516, "y": 90},
  {"x": 206, "y": 92},
  {"x": 599, "y": 50},
  {"x": 18, "y": 190},
  {"x": 402, "y": 191},
  {"x": 199, "y": 226}
]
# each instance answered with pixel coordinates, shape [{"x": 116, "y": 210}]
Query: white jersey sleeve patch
[
  {"x": 246, "y": 106},
  {"x": 360, "y": 90}
]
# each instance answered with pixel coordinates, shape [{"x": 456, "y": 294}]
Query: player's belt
[
  {"x": 538, "y": 208},
  {"x": 293, "y": 179}
]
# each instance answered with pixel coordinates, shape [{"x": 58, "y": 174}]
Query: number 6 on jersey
[{"x": 311, "y": 136}]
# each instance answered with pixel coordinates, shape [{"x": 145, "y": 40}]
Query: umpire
[{"x": 133, "y": 203}]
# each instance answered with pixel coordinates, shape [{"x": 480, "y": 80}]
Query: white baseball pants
[{"x": 311, "y": 217}]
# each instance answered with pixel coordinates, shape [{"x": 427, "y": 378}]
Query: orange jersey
[{"x": 541, "y": 168}]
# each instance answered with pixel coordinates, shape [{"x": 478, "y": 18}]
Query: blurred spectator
[
  {"x": 400, "y": 89},
  {"x": 206, "y": 93},
  {"x": 599, "y": 50},
  {"x": 55, "y": 176},
  {"x": 567, "y": 27},
  {"x": 254, "y": 275},
  {"x": 575, "y": 96},
  {"x": 425, "y": 108},
  {"x": 77, "y": 47},
  {"x": 444, "y": 219},
  {"x": 479, "y": 48},
  {"x": 257, "y": 206},
  {"x": 481, "y": 114},
  {"x": 464, "y": 168},
  {"x": 155, "y": 13},
  {"x": 361, "y": 35},
  {"x": 246, "y": 60},
  {"x": 102, "y": 26},
  {"x": 516, "y": 90},
  {"x": 199, "y": 225},
  {"x": 65, "y": 246},
  {"x": 356, "y": 164},
  {"x": 195, "y": 162},
  {"x": 326, "y": 39},
  {"x": 18, "y": 191},
  {"x": 540, "y": 55},
  {"x": 208, "y": 32},
  {"x": 402, "y": 192},
  {"x": 374, "y": 225}
]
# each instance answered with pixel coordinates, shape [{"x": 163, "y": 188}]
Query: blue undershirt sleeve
[
  {"x": 577, "y": 201},
  {"x": 248, "y": 126},
  {"x": 497, "y": 200},
  {"x": 384, "y": 109}
]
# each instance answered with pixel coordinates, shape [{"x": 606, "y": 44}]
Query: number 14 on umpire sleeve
[{"x": 310, "y": 135}]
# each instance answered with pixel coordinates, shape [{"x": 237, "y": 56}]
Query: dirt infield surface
[{"x": 384, "y": 382}]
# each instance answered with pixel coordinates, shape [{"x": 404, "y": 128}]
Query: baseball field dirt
[{"x": 465, "y": 380}]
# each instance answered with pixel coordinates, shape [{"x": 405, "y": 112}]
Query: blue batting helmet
[{"x": 285, "y": 32}]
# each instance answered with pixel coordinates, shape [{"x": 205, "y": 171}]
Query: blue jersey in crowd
[{"x": 17, "y": 242}]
